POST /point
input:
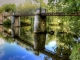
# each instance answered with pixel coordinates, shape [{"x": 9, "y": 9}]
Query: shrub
[
  {"x": 75, "y": 55},
  {"x": 7, "y": 23}
]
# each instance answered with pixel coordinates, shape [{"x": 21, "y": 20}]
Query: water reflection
[
  {"x": 15, "y": 52},
  {"x": 39, "y": 42},
  {"x": 1, "y": 28},
  {"x": 26, "y": 45},
  {"x": 15, "y": 31},
  {"x": 18, "y": 50}
]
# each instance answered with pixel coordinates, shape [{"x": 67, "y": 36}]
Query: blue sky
[{"x": 12, "y": 51}]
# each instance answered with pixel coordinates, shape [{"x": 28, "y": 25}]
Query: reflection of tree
[
  {"x": 75, "y": 25},
  {"x": 47, "y": 58},
  {"x": 39, "y": 42},
  {"x": 50, "y": 38},
  {"x": 65, "y": 44},
  {"x": 10, "y": 40},
  {"x": 75, "y": 55},
  {"x": 26, "y": 34},
  {"x": 63, "y": 52},
  {"x": 66, "y": 39},
  {"x": 7, "y": 38}
]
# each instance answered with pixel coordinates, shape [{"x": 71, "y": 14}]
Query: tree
[
  {"x": 1, "y": 10},
  {"x": 66, "y": 6},
  {"x": 9, "y": 7},
  {"x": 26, "y": 7},
  {"x": 40, "y": 3},
  {"x": 69, "y": 6},
  {"x": 75, "y": 55}
]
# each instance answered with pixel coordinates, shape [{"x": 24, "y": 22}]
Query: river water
[{"x": 20, "y": 43}]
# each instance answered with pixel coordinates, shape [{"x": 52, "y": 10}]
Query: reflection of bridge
[
  {"x": 51, "y": 14},
  {"x": 1, "y": 21},
  {"x": 30, "y": 46}
]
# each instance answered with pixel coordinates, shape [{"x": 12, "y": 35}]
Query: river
[{"x": 20, "y": 43}]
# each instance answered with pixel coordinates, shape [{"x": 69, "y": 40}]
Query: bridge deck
[{"x": 61, "y": 14}]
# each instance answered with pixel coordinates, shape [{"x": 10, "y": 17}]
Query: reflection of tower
[
  {"x": 39, "y": 42},
  {"x": 15, "y": 31},
  {"x": 1, "y": 28}
]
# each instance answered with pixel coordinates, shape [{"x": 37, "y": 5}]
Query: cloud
[
  {"x": 1, "y": 41},
  {"x": 18, "y": 57},
  {"x": 2, "y": 54}
]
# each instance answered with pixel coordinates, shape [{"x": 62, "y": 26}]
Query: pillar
[
  {"x": 40, "y": 21},
  {"x": 15, "y": 23},
  {"x": 15, "y": 20},
  {"x": 12, "y": 20}
]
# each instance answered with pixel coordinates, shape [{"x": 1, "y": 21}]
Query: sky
[{"x": 17, "y": 2}]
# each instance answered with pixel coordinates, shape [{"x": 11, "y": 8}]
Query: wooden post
[{"x": 39, "y": 21}]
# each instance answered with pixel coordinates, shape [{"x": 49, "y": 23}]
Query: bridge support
[
  {"x": 40, "y": 21},
  {"x": 15, "y": 21}
]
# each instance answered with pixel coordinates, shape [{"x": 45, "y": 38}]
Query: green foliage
[
  {"x": 27, "y": 7},
  {"x": 7, "y": 23},
  {"x": 26, "y": 34},
  {"x": 40, "y": 3},
  {"x": 1, "y": 10},
  {"x": 71, "y": 23},
  {"x": 7, "y": 39},
  {"x": 9, "y": 7},
  {"x": 75, "y": 55},
  {"x": 68, "y": 6}
]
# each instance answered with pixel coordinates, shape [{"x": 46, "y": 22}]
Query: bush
[
  {"x": 75, "y": 55},
  {"x": 7, "y": 23}
]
